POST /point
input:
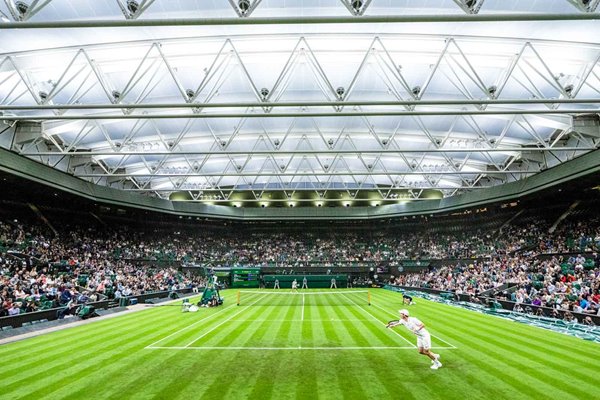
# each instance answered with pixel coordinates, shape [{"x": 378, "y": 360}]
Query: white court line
[
  {"x": 299, "y": 320},
  {"x": 293, "y": 348},
  {"x": 189, "y": 326},
  {"x": 302, "y": 318},
  {"x": 218, "y": 325},
  {"x": 432, "y": 335},
  {"x": 377, "y": 319}
]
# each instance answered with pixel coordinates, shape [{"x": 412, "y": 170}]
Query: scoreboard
[{"x": 245, "y": 277}]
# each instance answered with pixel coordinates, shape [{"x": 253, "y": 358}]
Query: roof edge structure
[
  {"x": 348, "y": 103},
  {"x": 25, "y": 168}
]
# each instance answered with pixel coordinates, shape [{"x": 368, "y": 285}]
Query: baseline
[
  {"x": 291, "y": 348},
  {"x": 300, "y": 320}
]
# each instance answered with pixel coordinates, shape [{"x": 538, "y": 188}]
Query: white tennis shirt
[{"x": 414, "y": 325}]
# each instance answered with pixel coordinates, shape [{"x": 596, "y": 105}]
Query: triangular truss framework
[{"x": 396, "y": 114}]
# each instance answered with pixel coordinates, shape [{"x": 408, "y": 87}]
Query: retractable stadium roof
[{"x": 250, "y": 101}]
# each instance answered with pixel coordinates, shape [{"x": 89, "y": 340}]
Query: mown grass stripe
[
  {"x": 474, "y": 354},
  {"x": 177, "y": 387},
  {"x": 43, "y": 362},
  {"x": 236, "y": 333},
  {"x": 327, "y": 329},
  {"x": 226, "y": 373},
  {"x": 373, "y": 329},
  {"x": 465, "y": 323},
  {"x": 72, "y": 369},
  {"x": 528, "y": 355},
  {"x": 526, "y": 338},
  {"x": 380, "y": 315},
  {"x": 263, "y": 386},
  {"x": 484, "y": 341},
  {"x": 119, "y": 333},
  {"x": 505, "y": 367},
  {"x": 381, "y": 336},
  {"x": 542, "y": 335},
  {"x": 197, "y": 324},
  {"x": 362, "y": 334},
  {"x": 203, "y": 320},
  {"x": 53, "y": 339},
  {"x": 328, "y": 377},
  {"x": 273, "y": 312},
  {"x": 542, "y": 354},
  {"x": 216, "y": 325},
  {"x": 244, "y": 332}
]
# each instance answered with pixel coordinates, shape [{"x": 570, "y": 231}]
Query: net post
[
  {"x": 369, "y": 296},
  {"x": 238, "y": 297}
]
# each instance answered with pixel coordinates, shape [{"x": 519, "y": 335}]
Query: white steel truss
[{"x": 301, "y": 116}]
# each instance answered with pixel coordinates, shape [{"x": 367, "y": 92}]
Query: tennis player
[
  {"x": 304, "y": 283},
  {"x": 294, "y": 285},
  {"x": 423, "y": 337}
]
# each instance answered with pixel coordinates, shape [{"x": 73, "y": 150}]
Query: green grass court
[{"x": 301, "y": 346}]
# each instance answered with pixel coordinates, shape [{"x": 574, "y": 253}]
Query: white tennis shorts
[{"x": 424, "y": 340}]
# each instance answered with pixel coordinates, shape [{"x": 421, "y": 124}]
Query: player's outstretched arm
[{"x": 393, "y": 323}]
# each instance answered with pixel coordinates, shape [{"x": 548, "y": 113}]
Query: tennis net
[{"x": 304, "y": 298}]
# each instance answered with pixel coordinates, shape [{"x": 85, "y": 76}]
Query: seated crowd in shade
[{"x": 42, "y": 268}]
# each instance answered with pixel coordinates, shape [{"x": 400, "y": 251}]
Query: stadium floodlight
[
  {"x": 244, "y": 5},
  {"x": 470, "y": 6},
  {"x": 356, "y": 7},
  {"x": 22, "y": 8},
  {"x": 588, "y": 6},
  {"x": 133, "y": 6},
  {"x": 190, "y": 93}
]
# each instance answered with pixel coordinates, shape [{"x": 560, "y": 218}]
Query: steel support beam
[
  {"x": 371, "y": 19},
  {"x": 303, "y": 152},
  {"x": 260, "y": 188},
  {"x": 314, "y": 173},
  {"x": 345, "y": 103},
  {"x": 301, "y": 114}
]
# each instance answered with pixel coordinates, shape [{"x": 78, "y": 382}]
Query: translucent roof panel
[{"x": 162, "y": 97}]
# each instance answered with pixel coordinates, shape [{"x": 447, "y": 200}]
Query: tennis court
[
  {"x": 299, "y": 347},
  {"x": 306, "y": 320}
]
